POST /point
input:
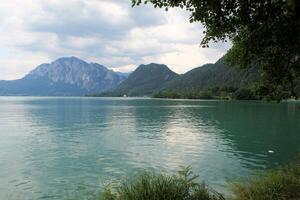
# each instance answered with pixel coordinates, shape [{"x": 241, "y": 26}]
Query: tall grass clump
[
  {"x": 280, "y": 184},
  {"x": 152, "y": 186}
]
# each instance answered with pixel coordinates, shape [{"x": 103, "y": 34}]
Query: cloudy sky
[{"x": 109, "y": 32}]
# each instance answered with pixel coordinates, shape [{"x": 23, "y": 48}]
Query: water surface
[{"x": 52, "y": 147}]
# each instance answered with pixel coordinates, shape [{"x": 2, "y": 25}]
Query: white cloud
[
  {"x": 109, "y": 32},
  {"x": 15, "y": 67}
]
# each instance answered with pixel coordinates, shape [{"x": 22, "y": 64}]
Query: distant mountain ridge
[
  {"x": 67, "y": 76},
  {"x": 145, "y": 80},
  {"x": 71, "y": 76},
  {"x": 214, "y": 75}
]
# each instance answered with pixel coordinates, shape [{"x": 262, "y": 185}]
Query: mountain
[
  {"x": 68, "y": 76},
  {"x": 145, "y": 80},
  {"x": 214, "y": 75},
  {"x": 124, "y": 74}
]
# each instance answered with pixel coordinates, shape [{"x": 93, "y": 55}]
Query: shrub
[
  {"x": 279, "y": 184},
  {"x": 244, "y": 94},
  {"x": 151, "y": 186},
  {"x": 167, "y": 94}
]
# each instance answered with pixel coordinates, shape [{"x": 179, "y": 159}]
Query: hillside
[
  {"x": 214, "y": 75},
  {"x": 145, "y": 80},
  {"x": 68, "y": 76}
]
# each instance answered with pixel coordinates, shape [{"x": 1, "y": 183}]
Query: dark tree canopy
[{"x": 263, "y": 32}]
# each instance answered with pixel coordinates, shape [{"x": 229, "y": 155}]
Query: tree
[
  {"x": 263, "y": 32},
  {"x": 244, "y": 94}
]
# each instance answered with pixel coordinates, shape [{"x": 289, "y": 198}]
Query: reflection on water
[{"x": 51, "y": 147}]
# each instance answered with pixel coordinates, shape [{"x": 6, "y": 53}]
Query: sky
[{"x": 109, "y": 32}]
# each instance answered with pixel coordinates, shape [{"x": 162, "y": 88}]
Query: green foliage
[
  {"x": 277, "y": 53},
  {"x": 167, "y": 94},
  {"x": 213, "y": 81},
  {"x": 280, "y": 184},
  {"x": 210, "y": 81},
  {"x": 218, "y": 77},
  {"x": 143, "y": 81},
  {"x": 263, "y": 33},
  {"x": 105, "y": 94},
  {"x": 244, "y": 94},
  {"x": 269, "y": 93},
  {"x": 151, "y": 186},
  {"x": 172, "y": 94}
]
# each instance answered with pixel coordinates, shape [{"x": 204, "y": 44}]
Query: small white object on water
[{"x": 270, "y": 151}]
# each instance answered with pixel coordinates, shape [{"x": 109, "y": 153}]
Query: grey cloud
[
  {"x": 75, "y": 27},
  {"x": 78, "y": 19}
]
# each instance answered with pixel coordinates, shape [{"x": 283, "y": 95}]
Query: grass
[
  {"x": 279, "y": 184},
  {"x": 151, "y": 186}
]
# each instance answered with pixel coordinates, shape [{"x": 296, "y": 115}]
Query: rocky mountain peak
[{"x": 72, "y": 72}]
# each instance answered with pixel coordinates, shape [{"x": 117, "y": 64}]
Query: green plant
[
  {"x": 244, "y": 94},
  {"x": 279, "y": 184},
  {"x": 152, "y": 186}
]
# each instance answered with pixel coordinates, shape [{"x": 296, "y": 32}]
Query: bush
[
  {"x": 167, "y": 94},
  {"x": 244, "y": 94},
  {"x": 280, "y": 184},
  {"x": 172, "y": 94},
  {"x": 151, "y": 186}
]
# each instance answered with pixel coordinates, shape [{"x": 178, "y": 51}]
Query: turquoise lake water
[{"x": 51, "y": 148}]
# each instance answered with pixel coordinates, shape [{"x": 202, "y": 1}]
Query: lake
[{"x": 51, "y": 148}]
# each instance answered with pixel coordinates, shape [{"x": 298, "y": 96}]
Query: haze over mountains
[
  {"x": 67, "y": 76},
  {"x": 71, "y": 76}
]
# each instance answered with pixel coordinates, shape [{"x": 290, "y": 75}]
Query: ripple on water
[{"x": 50, "y": 147}]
